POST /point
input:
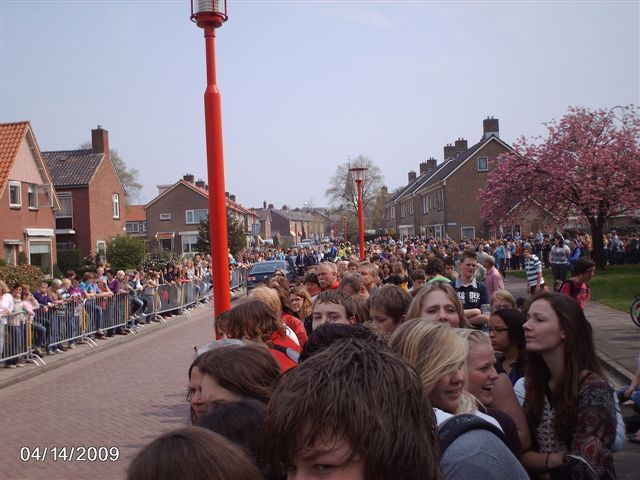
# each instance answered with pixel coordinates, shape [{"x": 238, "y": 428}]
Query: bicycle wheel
[{"x": 635, "y": 311}]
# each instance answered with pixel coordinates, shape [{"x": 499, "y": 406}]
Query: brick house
[
  {"x": 173, "y": 217},
  {"x": 27, "y": 199},
  {"x": 136, "y": 222},
  {"x": 442, "y": 200},
  {"x": 92, "y": 197}
]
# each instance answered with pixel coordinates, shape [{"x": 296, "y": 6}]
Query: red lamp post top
[
  {"x": 358, "y": 173},
  {"x": 209, "y": 12}
]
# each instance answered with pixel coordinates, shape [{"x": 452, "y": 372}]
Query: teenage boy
[
  {"x": 333, "y": 306},
  {"x": 473, "y": 294},
  {"x": 352, "y": 411},
  {"x": 387, "y": 307},
  {"x": 577, "y": 287}
]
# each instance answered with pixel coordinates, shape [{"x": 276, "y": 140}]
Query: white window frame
[
  {"x": 192, "y": 213},
  {"x": 40, "y": 241},
  {"x": 18, "y": 186},
  {"x": 410, "y": 207},
  {"x": 425, "y": 205},
  {"x": 462, "y": 235},
  {"x": 32, "y": 196},
  {"x": 115, "y": 204},
  {"x": 191, "y": 246},
  {"x": 485, "y": 159},
  {"x": 132, "y": 227},
  {"x": 101, "y": 248},
  {"x": 165, "y": 216}
]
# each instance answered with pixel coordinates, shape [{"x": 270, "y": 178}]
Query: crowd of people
[
  {"x": 95, "y": 304},
  {"x": 415, "y": 363}
]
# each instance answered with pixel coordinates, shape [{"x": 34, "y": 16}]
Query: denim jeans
[{"x": 635, "y": 396}]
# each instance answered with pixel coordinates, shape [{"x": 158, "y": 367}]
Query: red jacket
[
  {"x": 281, "y": 339},
  {"x": 297, "y": 326}
]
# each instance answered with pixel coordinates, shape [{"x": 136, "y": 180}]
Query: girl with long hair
[
  {"x": 568, "y": 403},
  {"x": 507, "y": 338}
]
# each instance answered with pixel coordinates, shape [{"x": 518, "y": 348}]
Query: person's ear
[{"x": 352, "y": 320}]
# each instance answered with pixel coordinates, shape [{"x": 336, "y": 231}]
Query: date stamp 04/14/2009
[{"x": 69, "y": 454}]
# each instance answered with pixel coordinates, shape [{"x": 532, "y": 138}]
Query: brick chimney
[
  {"x": 490, "y": 127},
  {"x": 424, "y": 168},
  {"x": 412, "y": 176},
  {"x": 264, "y": 204},
  {"x": 270, "y": 206},
  {"x": 200, "y": 183},
  {"x": 188, "y": 178},
  {"x": 432, "y": 163},
  {"x": 232, "y": 198},
  {"x": 226, "y": 195},
  {"x": 461, "y": 145},
  {"x": 449, "y": 151},
  {"x": 99, "y": 140}
]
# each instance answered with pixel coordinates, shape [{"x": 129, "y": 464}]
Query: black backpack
[{"x": 457, "y": 425}]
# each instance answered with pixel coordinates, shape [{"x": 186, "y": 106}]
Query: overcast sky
[{"x": 306, "y": 85}]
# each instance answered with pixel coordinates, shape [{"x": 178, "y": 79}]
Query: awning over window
[
  {"x": 12, "y": 242},
  {"x": 190, "y": 232},
  {"x": 39, "y": 232},
  {"x": 165, "y": 235}
]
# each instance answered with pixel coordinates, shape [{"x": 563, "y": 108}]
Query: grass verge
[{"x": 615, "y": 287}]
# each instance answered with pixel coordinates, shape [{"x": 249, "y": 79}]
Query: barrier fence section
[{"x": 24, "y": 338}]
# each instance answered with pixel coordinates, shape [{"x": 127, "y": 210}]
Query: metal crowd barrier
[{"x": 77, "y": 320}]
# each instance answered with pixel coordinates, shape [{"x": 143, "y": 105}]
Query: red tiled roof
[
  {"x": 11, "y": 137},
  {"x": 135, "y": 213}
]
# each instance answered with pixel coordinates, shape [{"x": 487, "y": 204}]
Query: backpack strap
[
  {"x": 460, "y": 424},
  {"x": 289, "y": 352}
]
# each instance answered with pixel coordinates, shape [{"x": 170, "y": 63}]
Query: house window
[
  {"x": 440, "y": 200},
  {"x": 40, "y": 255},
  {"x": 33, "y": 196},
  {"x": 133, "y": 227},
  {"x": 189, "y": 243},
  {"x": 483, "y": 164},
  {"x": 196, "y": 216},
  {"x": 165, "y": 216},
  {"x": 66, "y": 205},
  {"x": 101, "y": 248},
  {"x": 438, "y": 232},
  {"x": 411, "y": 207},
  {"x": 115, "y": 203},
  {"x": 15, "y": 195},
  {"x": 425, "y": 205},
  {"x": 143, "y": 226},
  {"x": 467, "y": 233}
]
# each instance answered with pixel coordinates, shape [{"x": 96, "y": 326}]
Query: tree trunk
[{"x": 597, "y": 243}]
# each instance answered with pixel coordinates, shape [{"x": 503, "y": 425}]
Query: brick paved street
[{"x": 123, "y": 397}]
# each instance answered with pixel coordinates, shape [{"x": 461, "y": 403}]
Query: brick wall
[
  {"x": 103, "y": 226},
  {"x": 461, "y": 205},
  {"x": 176, "y": 202},
  {"x": 14, "y": 221}
]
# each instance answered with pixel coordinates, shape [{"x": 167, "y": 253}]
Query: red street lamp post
[
  {"x": 209, "y": 15},
  {"x": 358, "y": 176}
]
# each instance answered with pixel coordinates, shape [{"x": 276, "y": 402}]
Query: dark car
[{"x": 263, "y": 271}]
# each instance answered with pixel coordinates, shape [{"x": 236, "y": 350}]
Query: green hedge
[{"x": 29, "y": 274}]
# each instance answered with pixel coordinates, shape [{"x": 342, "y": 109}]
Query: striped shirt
[{"x": 532, "y": 267}]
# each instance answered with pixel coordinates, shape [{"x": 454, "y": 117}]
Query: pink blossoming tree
[{"x": 589, "y": 165}]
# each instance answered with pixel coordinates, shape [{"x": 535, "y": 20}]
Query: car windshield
[{"x": 265, "y": 267}]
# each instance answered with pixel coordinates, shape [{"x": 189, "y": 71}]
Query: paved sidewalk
[{"x": 616, "y": 337}]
